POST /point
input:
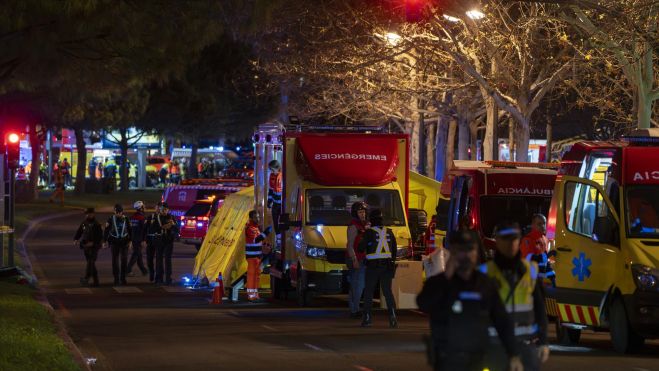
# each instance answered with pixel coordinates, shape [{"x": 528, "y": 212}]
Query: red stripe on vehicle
[
  {"x": 593, "y": 316},
  {"x": 568, "y": 311},
  {"x": 582, "y": 318}
]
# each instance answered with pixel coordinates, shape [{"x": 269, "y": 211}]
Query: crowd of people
[{"x": 121, "y": 233}]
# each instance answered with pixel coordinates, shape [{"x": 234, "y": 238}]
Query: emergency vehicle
[
  {"x": 195, "y": 222},
  {"x": 325, "y": 171},
  {"x": 482, "y": 193},
  {"x": 603, "y": 228},
  {"x": 180, "y": 198}
]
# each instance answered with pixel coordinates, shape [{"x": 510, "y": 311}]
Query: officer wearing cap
[
  {"x": 462, "y": 302},
  {"x": 118, "y": 236},
  {"x": 89, "y": 237},
  {"x": 521, "y": 292},
  {"x": 164, "y": 230}
]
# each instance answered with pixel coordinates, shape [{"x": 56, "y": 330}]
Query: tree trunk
[
  {"x": 644, "y": 111},
  {"x": 463, "y": 138},
  {"x": 522, "y": 140},
  {"x": 511, "y": 138},
  {"x": 441, "y": 142},
  {"x": 413, "y": 130},
  {"x": 450, "y": 143},
  {"x": 421, "y": 147},
  {"x": 490, "y": 127},
  {"x": 123, "y": 169},
  {"x": 82, "y": 160},
  {"x": 35, "y": 143},
  {"x": 549, "y": 141},
  {"x": 192, "y": 166},
  {"x": 431, "y": 130},
  {"x": 473, "y": 140}
]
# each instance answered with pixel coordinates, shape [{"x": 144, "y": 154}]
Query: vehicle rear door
[
  {"x": 587, "y": 246},
  {"x": 459, "y": 202}
]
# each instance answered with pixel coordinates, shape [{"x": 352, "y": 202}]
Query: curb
[{"x": 41, "y": 295}]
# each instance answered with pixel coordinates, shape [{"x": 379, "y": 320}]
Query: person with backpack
[
  {"x": 354, "y": 257},
  {"x": 118, "y": 235},
  {"x": 88, "y": 238},
  {"x": 138, "y": 232}
]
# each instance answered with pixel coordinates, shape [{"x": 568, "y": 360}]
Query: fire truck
[
  {"x": 481, "y": 193},
  {"x": 325, "y": 171},
  {"x": 603, "y": 228}
]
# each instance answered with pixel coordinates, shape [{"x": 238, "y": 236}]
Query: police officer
[
  {"x": 150, "y": 245},
  {"x": 118, "y": 236},
  {"x": 89, "y": 238},
  {"x": 379, "y": 244},
  {"x": 164, "y": 229},
  {"x": 462, "y": 302},
  {"x": 138, "y": 232},
  {"x": 521, "y": 292}
]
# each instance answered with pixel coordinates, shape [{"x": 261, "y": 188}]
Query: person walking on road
[
  {"x": 164, "y": 230},
  {"x": 118, "y": 236},
  {"x": 462, "y": 302},
  {"x": 138, "y": 232},
  {"x": 521, "y": 292},
  {"x": 89, "y": 238},
  {"x": 59, "y": 187},
  {"x": 379, "y": 245},
  {"x": 355, "y": 258},
  {"x": 534, "y": 248},
  {"x": 150, "y": 244},
  {"x": 253, "y": 252}
]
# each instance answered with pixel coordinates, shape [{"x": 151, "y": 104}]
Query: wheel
[
  {"x": 303, "y": 297},
  {"x": 566, "y": 335},
  {"x": 623, "y": 337}
]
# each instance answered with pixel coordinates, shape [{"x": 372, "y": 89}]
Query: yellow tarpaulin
[
  {"x": 223, "y": 249},
  {"x": 424, "y": 193}
]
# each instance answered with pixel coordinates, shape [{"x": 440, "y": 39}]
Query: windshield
[
  {"x": 331, "y": 206},
  {"x": 198, "y": 210},
  {"x": 641, "y": 206},
  {"x": 520, "y": 209}
]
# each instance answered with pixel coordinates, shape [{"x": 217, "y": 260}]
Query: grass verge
[{"x": 28, "y": 336}]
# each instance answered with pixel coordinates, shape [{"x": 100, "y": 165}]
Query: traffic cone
[{"x": 218, "y": 291}]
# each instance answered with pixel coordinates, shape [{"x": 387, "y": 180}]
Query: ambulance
[
  {"x": 479, "y": 194},
  {"x": 325, "y": 171},
  {"x": 603, "y": 228},
  {"x": 181, "y": 197}
]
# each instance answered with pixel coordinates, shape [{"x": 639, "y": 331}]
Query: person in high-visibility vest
[
  {"x": 379, "y": 244},
  {"x": 275, "y": 187},
  {"x": 118, "y": 235},
  {"x": 253, "y": 253},
  {"x": 522, "y": 293}
]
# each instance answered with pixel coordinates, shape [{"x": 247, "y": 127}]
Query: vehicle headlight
[
  {"x": 646, "y": 278},
  {"x": 316, "y": 252},
  {"x": 402, "y": 252}
]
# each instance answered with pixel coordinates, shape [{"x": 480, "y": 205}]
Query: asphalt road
[{"x": 155, "y": 328}]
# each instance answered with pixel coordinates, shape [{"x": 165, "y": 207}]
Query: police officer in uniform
[
  {"x": 462, "y": 302},
  {"x": 118, "y": 236},
  {"x": 89, "y": 238},
  {"x": 164, "y": 230},
  {"x": 521, "y": 292},
  {"x": 379, "y": 244},
  {"x": 138, "y": 231}
]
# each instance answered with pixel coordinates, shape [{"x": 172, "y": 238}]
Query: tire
[
  {"x": 623, "y": 337},
  {"x": 565, "y": 335},
  {"x": 303, "y": 297}
]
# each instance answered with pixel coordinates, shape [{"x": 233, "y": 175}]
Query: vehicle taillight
[{"x": 202, "y": 218}]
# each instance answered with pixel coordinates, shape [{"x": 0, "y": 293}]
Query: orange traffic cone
[{"x": 218, "y": 291}]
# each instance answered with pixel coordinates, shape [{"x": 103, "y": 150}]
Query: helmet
[
  {"x": 359, "y": 205},
  {"x": 138, "y": 205}
]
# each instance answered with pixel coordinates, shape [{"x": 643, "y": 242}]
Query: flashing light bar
[
  {"x": 640, "y": 139},
  {"x": 515, "y": 164}
]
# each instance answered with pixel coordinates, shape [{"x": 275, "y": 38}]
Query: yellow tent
[
  {"x": 424, "y": 193},
  {"x": 223, "y": 250}
]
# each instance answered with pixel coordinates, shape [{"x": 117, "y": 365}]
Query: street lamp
[
  {"x": 451, "y": 18},
  {"x": 475, "y": 14},
  {"x": 392, "y": 38}
]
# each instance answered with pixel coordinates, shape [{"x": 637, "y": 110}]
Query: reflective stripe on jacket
[
  {"x": 519, "y": 303},
  {"x": 382, "y": 249},
  {"x": 253, "y": 240}
]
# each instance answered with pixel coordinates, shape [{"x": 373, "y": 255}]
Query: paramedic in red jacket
[
  {"x": 355, "y": 258},
  {"x": 274, "y": 197},
  {"x": 253, "y": 252}
]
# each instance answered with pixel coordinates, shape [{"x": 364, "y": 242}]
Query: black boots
[
  {"x": 393, "y": 323},
  {"x": 367, "y": 320}
]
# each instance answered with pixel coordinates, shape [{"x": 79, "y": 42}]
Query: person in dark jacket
[
  {"x": 164, "y": 229},
  {"x": 462, "y": 302},
  {"x": 89, "y": 238},
  {"x": 138, "y": 233},
  {"x": 118, "y": 236},
  {"x": 379, "y": 244}
]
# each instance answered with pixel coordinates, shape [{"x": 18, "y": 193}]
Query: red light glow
[{"x": 13, "y": 138}]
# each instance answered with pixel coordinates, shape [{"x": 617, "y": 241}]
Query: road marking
[
  {"x": 362, "y": 368},
  {"x": 175, "y": 289},
  {"x": 268, "y": 328},
  {"x": 78, "y": 291},
  {"x": 561, "y": 348},
  {"x": 235, "y": 313},
  {"x": 314, "y": 347},
  {"x": 127, "y": 289}
]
